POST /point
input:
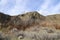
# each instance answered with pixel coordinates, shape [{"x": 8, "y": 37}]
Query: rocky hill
[
  {"x": 21, "y": 21},
  {"x": 28, "y": 19},
  {"x": 4, "y": 19},
  {"x": 29, "y": 26}
]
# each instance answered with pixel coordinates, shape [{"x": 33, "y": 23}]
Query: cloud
[
  {"x": 50, "y": 7},
  {"x": 6, "y": 5},
  {"x": 33, "y": 4},
  {"x": 15, "y": 7},
  {"x": 19, "y": 7},
  {"x": 2, "y": 4},
  {"x": 57, "y": 8}
]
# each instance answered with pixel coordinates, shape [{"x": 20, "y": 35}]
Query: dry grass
[{"x": 42, "y": 33}]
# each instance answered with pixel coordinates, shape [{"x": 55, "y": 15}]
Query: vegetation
[{"x": 29, "y": 26}]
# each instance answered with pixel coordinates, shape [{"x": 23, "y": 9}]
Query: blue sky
[{"x": 15, "y": 7}]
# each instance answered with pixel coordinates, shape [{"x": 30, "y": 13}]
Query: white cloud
[
  {"x": 47, "y": 8},
  {"x": 19, "y": 7},
  {"x": 45, "y": 4},
  {"x": 44, "y": 7},
  {"x": 56, "y": 8},
  {"x": 3, "y": 3}
]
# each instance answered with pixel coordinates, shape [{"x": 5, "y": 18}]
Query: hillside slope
[
  {"x": 29, "y": 26},
  {"x": 29, "y": 19}
]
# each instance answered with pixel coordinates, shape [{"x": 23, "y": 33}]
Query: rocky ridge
[{"x": 29, "y": 26}]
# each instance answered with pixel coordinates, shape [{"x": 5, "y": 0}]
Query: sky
[{"x": 44, "y": 7}]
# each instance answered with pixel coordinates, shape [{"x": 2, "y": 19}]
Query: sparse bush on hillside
[
  {"x": 42, "y": 33},
  {"x": 29, "y": 26}
]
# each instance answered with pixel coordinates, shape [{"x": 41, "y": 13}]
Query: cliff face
[{"x": 28, "y": 19}]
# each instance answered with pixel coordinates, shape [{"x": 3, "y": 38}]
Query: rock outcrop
[
  {"x": 4, "y": 19},
  {"x": 29, "y": 26},
  {"x": 21, "y": 21},
  {"x": 27, "y": 20}
]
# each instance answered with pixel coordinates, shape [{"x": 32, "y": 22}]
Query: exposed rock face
[
  {"x": 30, "y": 26},
  {"x": 27, "y": 20},
  {"x": 4, "y": 19}
]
